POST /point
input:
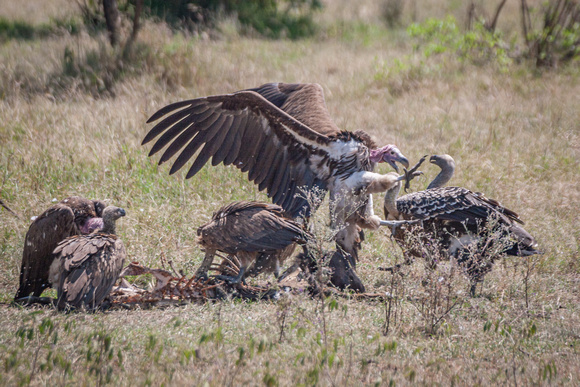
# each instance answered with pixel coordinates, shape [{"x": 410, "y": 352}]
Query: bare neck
[
  {"x": 442, "y": 178},
  {"x": 391, "y": 200}
]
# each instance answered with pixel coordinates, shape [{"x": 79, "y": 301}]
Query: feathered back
[
  {"x": 251, "y": 227},
  {"x": 86, "y": 268}
]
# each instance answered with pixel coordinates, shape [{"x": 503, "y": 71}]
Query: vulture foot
[
  {"x": 239, "y": 279},
  {"x": 412, "y": 173},
  {"x": 30, "y": 300}
]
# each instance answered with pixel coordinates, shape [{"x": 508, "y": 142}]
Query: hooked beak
[
  {"x": 394, "y": 156},
  {"x": 432, "y": 159}
]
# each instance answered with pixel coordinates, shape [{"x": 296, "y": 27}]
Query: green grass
[{"x": 514, "y": 135}]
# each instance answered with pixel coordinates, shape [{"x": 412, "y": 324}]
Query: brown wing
[
  {"x": 90, "y": 266},
  {"x": 250, "y": 227},
  {"x": 303, "y": 101},
  {"x": 250, "y": 130},
  {"x": 44, "y": 234}
]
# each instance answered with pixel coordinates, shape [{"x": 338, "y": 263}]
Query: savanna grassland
[{"x": 513, "y": 129}]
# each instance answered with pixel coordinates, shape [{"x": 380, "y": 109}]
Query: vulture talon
[{"x": 412, "y": 173}]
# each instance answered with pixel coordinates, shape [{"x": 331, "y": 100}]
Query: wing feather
[
  {"x": 234, "y": 152},
  {"x": 44, "y": 234},
  {"x": 258, "y": 130}
]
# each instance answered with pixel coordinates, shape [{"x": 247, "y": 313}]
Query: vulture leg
[
  {"x": 472, "y": 289},
  {"x": 245, "y": 260},
  {"x": 397, "y": 223},
  {"x": 291, "y": 269},
  {"x": 205, "y": 265}
]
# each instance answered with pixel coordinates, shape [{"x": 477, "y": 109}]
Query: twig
[{"x": 9, "y": 209}]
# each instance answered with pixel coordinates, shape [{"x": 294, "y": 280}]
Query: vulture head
[
  {"x": 447, "y": 165},
  {"x": 389, "y": 154},
  {"x": 443, "y": 161},
  {"x": 110, "y": 216}
]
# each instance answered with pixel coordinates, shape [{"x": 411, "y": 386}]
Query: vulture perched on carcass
[
  {"x": 458, "y": 223},
  {"x": 283, "y": 136},
  {"x": 72, "y": 216},
  {"x": 86, "y": 267},
  {"x": 259, "y": 235}
]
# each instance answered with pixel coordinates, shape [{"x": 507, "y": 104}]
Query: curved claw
[{"x": 412, "y": 173}]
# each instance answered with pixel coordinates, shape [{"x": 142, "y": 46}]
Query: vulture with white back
[
  {"x": 456, "y": 222},
  {"x": 72, "y": 216},
  {"x": 283, "y": 136},
  {"x": 86, "y": 267}
]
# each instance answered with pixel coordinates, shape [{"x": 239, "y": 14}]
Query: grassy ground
[{"x": 513, "y": 132}]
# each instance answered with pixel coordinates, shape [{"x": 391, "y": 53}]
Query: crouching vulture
[
  {"x": 458, "y": 223},
  {"x": 260, "y": 235},
  {"x": 72, "y": 216},
  {"x": 283, "y": 136},
  {"x": 86, "y": 267}
]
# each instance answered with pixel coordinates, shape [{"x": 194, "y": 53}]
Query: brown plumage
[
  {"x": 253, "y": 232},
  {"x": 72, "y": 216},
  {"x": 283, "y": 136},
  {"x": 86, "y": 267},
  {"x": 457, "y": 222}
]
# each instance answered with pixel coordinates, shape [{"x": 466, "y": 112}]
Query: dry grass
[{"x": 514, "y": 135}]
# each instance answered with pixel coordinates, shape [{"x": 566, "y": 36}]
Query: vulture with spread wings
[
  {"x": 72, "y": 216},
  {"x": 283, "y": 136}
]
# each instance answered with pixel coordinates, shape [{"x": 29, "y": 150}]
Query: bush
[
  {"x": 478, "y": 46},
  {"x": 270, "y": 18}
]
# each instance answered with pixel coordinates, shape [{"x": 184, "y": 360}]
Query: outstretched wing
[
  {"x": 91, "y": 265},
  {"x": 453, "y": 204},
  {"x": 250, "y": 130},
  {"x": 303, "y": 101},
  {"x": 44, "y": 234}
]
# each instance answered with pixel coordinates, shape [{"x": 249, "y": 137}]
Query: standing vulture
[
  {"x": 456, "y": 222},
  {"x": 283, "y": 136},
  {"x": 86, "y": 267},
  {"x": 72, "y": 216},
  {"x": 256, "y": 233}
]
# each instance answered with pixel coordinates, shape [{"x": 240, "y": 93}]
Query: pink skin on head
[
  {"x": 376, "y": 155},
  {"x": 389, "y": 154},
  {"x": 91, "y": 225}
]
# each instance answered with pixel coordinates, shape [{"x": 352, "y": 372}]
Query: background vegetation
[{"x": 72, "y": 116}]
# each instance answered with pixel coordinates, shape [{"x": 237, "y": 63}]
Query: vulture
[
  {"x": 86, "y": 267},
  {"x": 283, "y": 136},
  {"x": 72, "y": 216},
  {"x": 259, "y": 235},
  {"x": 341, "y": 264},
  {"x": 458, "y": 223}
]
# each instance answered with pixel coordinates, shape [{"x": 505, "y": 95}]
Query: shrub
[
  {"x": 270, "y": 18},
  {"x": 478, "y": 46}
]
